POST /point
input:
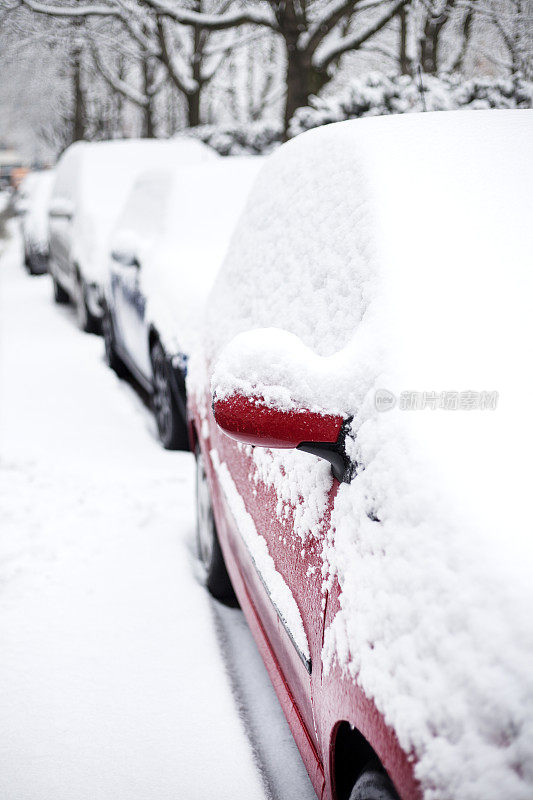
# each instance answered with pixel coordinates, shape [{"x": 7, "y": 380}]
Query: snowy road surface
[{"x": 119, "y": 678}]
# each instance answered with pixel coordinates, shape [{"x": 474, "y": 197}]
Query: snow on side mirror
[
  {"x": 251, "y": 421},
  {"x": 22, "y": 207},
  {"x": 125, "y": 257},
  {"x": 61, "y": 207},
  {"x": 125, "y": 248}
]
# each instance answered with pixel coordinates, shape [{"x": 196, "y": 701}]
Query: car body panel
[
  {"x": 314, "y": 704},
  {"x": 60, "y": 237},
  {"x": 129, "y": 315},
  {"x": 262, "y": 620}
]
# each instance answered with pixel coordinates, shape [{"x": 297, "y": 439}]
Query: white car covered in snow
[
  {"x": 169, "y": 241},
  {"x": 92, "y": 183},
  {"x": 31, "y": 204}
]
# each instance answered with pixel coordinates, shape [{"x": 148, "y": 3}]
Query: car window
[{"x": 144, "y": 211}]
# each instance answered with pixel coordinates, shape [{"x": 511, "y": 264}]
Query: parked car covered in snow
[
  {"x": 92, "y": 183},
  {"x": 31, "y": 204},
  {"x": 168, "y": 243},
  {"x": 360, "y": 414},
  {"x": 11, "y": 165}
]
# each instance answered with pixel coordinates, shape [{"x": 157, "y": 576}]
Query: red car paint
[
  {"x": 314, "y": 704},
  {"x": 250, "y": 420}
]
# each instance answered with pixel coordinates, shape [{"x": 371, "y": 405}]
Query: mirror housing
[
  {"x": 21, "y": 207},
  {"x": 61, "y": 207},
  {"x": 125, "y": 257},
  {"x": 251, "y": 421}
]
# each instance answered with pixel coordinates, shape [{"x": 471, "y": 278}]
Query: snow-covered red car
[{"x": 360, "y": 412}]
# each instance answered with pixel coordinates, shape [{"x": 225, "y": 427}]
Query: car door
[
  {"x": 286, "y": 583},
  {"x": 63, "y": 216},
  {"x": 60, "y": 227},
  {"x": 134, "y": 246},
  {"x": 129, "y": 304}
]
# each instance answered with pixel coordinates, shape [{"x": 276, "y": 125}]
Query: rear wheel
[
  {"x": 27, "y": 261},
  {"x": 86, "y": 321},
  {"x": 373, "y": 784},
  {"x": 215, "y": 574},
  {"x": 170, "y": 424},
  {"x": 112, "y": 358},
  {"x": 60, "y": 295}
]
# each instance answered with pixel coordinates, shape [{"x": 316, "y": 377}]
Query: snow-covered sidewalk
[{"x": 113, "y": 681}]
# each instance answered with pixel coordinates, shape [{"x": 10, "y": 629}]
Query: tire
[
  {"x": 60, "y": 295},
  {"x": 27, "y": 262},
  {"x": 113, "y": 360},
  {"x": 373, "y": 784},
  {"x": 214, "y": 572},
  {"x": 171, "y": 426},
  {"x": 87, "y": 322}
]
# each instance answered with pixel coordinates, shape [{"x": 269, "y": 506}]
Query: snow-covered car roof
[
  {"x": 180, "y": 222},
  {"x": 36, "y": 189},
  {"x": 383, "y": 269},
  {"x": 97, "y": 177}
]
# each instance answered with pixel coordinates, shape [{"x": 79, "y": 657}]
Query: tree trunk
[
  {"x": 148, "y": 121},
  {"x": 172, "y": 112},
  {"x": 428, "y": 47},
  {"x": 193, "y": 108},
  {"x": 78, "y": 121},
  {"x": 302, "y": 81},
  {"x": 404, "y": 60},
  {"x": 193, "y": 98},
  {"x": 119, "y": 102},
  {"x": 148, "y": 128}
]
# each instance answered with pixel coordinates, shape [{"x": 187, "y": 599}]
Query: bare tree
[
  {"x": 139, "y": 84},
  {"x": 513, "y": 22},
  {"x": 436, "y": 17},
  {"x": 177, "y": 49},
  {"x": 466, "y": 29},
  {"x": 315, "y": 33}
]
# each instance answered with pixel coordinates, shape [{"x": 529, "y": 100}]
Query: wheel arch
[
  {"x": 350, "y": 754},
  {"x": 193, "y": 434},
  {"x": 153, "y": 337}
]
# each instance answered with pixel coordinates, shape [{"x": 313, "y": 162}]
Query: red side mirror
[{"x": 251, "y": 421}]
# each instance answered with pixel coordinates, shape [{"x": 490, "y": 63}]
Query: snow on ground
[{"x": 119, "y": 678}]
